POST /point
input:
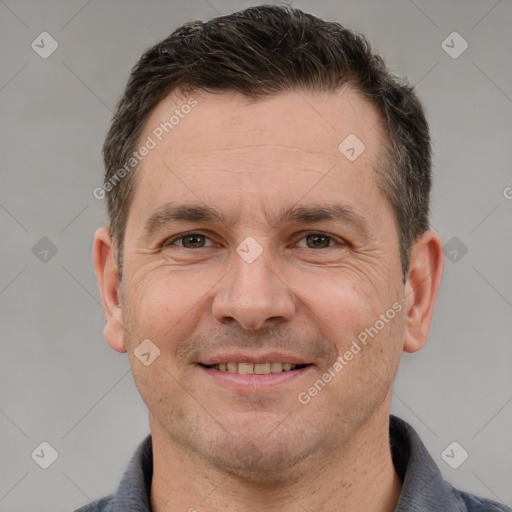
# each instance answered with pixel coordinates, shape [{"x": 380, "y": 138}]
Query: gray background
[{"x": 62, "y": 384}]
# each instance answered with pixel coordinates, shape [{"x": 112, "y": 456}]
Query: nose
[{"x": 253, "y": 294}]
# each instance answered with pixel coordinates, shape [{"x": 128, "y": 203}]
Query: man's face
[{"x": 313, "y": 288}]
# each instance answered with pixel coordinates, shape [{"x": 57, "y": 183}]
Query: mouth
[
  {"x": 245, "y": 376},
  {"x": 245, "y": 368}
]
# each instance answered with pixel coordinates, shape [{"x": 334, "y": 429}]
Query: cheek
[
  {"x": 340, "y": 306},
  {"x": 365, "y": 331},
  {"x": 163, "y": 305},
  {"x": 158, "y": 387}
]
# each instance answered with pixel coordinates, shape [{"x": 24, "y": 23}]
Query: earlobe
[
  {"x": 109, "y": 283},
  {"x": 422, "y": 285}
]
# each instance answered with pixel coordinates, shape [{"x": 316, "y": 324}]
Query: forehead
[
  {"x": 212, "y": 146},
  {"x": 312, "y": 121}
]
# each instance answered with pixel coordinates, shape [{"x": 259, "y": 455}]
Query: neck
[{"x": 357, "y": 476}]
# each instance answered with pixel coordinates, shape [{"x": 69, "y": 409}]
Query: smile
[{"x": 255, "y": 368}]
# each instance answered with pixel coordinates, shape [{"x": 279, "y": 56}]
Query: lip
[
  {"x": 269, "y": 357},
  {"x": 239, "y": 381}
]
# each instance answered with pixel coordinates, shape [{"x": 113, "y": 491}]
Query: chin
[
  {"x": 253, "y": 466},
  {"x": 267, "y": 459}
]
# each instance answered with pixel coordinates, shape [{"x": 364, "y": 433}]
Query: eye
[
  {"x": 317, "y": 240},
  {"x": 190, "y": 240}
]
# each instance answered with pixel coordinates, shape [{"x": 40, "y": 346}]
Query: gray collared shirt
[{"x": 423, "y": 487}]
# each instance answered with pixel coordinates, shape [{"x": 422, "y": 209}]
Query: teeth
[
  {"x": 261, "y": 368},
  {"x": 246, "y": 368},
  {"x": 276, "y": 367},
  {"x": 255, "y": 368}
]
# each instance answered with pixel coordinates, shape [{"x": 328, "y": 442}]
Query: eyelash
[{"x": 170, "y": 241}]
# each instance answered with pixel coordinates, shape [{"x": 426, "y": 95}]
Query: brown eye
[
  {"x": 188, "y": 241},
  {"x": 194, "y": 240},
  {"x": 318, "y": 240}
]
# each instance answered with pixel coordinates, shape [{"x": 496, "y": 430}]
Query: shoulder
[
  {"x": 477, "y": 504},
  {"x": 423, "y": 485},
  {"x": 102, "y": 505}
]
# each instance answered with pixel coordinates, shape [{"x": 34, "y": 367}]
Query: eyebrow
[{"x": 171, "y": 213}]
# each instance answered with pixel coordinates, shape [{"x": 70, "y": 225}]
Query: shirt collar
[
  {"x": 134, "y": 489},
  {"x": 423, "y": 487}
]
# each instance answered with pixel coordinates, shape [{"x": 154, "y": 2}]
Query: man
[{"x": 268, "y": 260}]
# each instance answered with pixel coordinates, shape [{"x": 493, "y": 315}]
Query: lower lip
[{"x": 241, "y": 381}]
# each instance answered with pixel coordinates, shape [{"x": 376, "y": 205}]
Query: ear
[
  {"x": 109, "y": 282},
  {"x": 423, "y": 282}
]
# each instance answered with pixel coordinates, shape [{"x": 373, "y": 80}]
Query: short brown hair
[{"x": 262, "y": 51}]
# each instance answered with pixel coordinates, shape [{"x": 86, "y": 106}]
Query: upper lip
[{"x": 270, "y": 357}]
